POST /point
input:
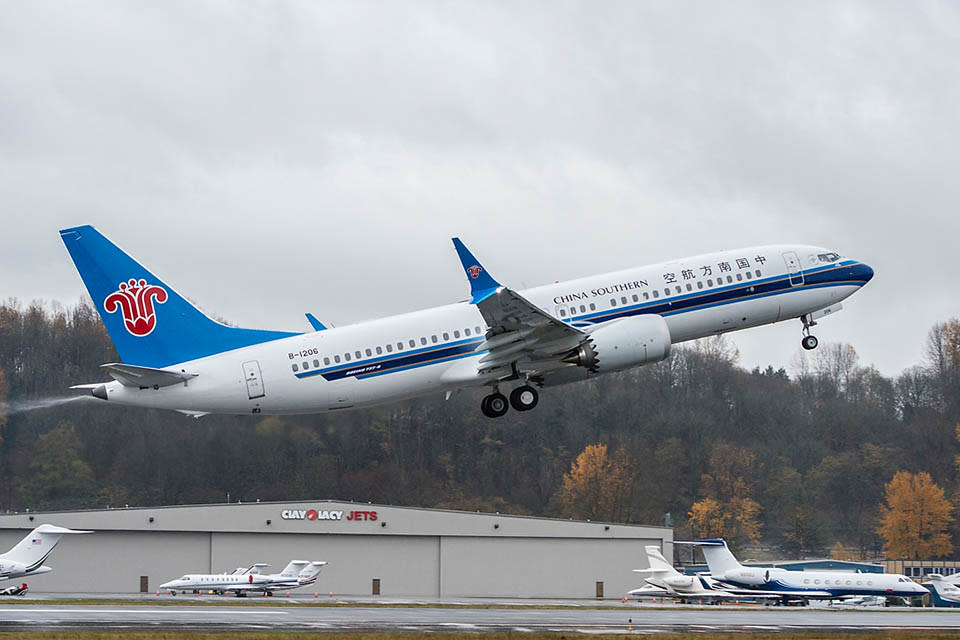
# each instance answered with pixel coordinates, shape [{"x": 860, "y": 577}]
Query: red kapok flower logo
[
  {"x": 134, "y": 299},
  {"x": 474, "y": 271}
]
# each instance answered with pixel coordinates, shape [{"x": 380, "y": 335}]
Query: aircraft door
[
  {"x": 793, "y": 268},
  {"x": 251, "y": 373}
]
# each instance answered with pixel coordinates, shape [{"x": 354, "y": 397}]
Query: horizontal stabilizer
[{"x": 133, "y": 376}]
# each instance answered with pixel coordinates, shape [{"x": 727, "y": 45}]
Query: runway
[{"x": 264, "y": 616}]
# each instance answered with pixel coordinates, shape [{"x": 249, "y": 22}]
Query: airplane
[
  {"x": 298, "y": 573},
  {"x": 665, "y": 581},
  {"x": 175, "y": 357},
  {"x": 943, "y": 592},
  {"x": 27, "y": 556},
  {"x": 802, "y": 585}
]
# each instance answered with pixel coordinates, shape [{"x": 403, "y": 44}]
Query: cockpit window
[{"x": 828, "y": 257}]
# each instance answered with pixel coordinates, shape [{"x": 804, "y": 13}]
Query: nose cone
[{"x": 862, "y": 272}]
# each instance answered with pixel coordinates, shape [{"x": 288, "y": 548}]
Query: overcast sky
[{"x": 272, "y": 158}]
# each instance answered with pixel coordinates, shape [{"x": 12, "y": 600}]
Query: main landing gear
[
  {"x": 522, "y": 398},
  {"x": 809, "y": 341}
]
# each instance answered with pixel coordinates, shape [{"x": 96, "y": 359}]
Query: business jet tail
[
  {"x": 150, "y": 324},
  {"x": 36, "y": 546},
  {"x": 718, "y": 556}
]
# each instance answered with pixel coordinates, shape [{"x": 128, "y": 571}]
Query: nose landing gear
[{"x": 809, "y": 341}]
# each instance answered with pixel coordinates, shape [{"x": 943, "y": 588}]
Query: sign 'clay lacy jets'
[
  {"x": 299, "y": 573},
  {"x": 175, "y": 357}
]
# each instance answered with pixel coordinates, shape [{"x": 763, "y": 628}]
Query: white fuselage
[
  {"x": 838, "y": 583},
  {"x": 435, "y": 350}
]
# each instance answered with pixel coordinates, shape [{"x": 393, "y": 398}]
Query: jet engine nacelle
[
  {"x": 681, "y": 582},
  {"x": 10, "y": 569},
  {"x": 752, "y": 577},
  {"x": 625, "y": 343}
]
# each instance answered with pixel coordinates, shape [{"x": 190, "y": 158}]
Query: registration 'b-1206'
[{"x": 514, "y": 343}]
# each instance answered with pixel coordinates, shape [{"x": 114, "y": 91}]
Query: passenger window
[
  {"x": 423, "y": 340},
  {"x": 678, "y": 289},
  {"x": 446, "y": 336},
  {"x": 316, "y": 363},
  {"x": 656, "y": 293},
  {"x": 646, "y": 296},
  {"x": 389, "y": 348},
  {"x": 326, "y": 361},
  {"x": 359, "y": 355},
  {"x": 478, "y": 330},
  {"x": 699, "y": 284},
  {"x": 635, "y": 298},
  {"x": 379, "y": 350},
  {"x": 433, "y": 338},
  {"x": 295, "y": 368},
  {"x": 729, "y": 279},
  {"x": 593, "y": 307},
  {"x": 466, "y": 331},
  {"x": 413, "y": 343},
  {"x": 583, "y": 309},
  {"x": 709, "y": 282},
  {"x": 336, "y": 359},
  {"x": 369, "y": 352},
  {"x": 748, "y": 274},
  {"x": 739, "y": 278},
  {"x": 399, "y": 346},
  {"x": 613, "y": 302},
  {"x": 623, "y": 300},
  {"x": 757, "y": 272},
  {"x": 306, "y": 365},
  {"x": 456, "y": 333},
  {"x": 563, "y": 312},
  {"x": 346, "y": 357},
  {"x": 666, "y": 291},
  {"x": 689, "y": 287}
]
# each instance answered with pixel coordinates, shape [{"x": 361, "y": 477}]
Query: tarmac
[{"x": 150, "y": 612}]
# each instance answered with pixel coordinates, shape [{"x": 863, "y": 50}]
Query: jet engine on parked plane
[
  {"x": 622, "y": 344},
  {"x": 13, "y": 569},
  {"x": 753, "y": 577}
]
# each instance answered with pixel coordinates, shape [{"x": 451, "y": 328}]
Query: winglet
[
  {"x": 316, "y": 324},
  {"x": 482, "y": 284}
]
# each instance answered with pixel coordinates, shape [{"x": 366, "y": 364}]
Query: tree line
[{"x": 801, "y": 462}]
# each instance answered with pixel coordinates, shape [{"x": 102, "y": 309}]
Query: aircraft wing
[
  {"x": 519, "y": 329},
  {"x": 133, "y": 376}
]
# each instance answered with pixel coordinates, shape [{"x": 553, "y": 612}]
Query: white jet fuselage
[{"x": 440, "y": 349}]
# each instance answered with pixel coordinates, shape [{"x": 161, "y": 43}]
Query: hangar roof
[{"x": 329, "y": 517}]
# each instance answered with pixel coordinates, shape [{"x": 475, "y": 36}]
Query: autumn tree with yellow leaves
[
  {"x": 915, "y": 518},
  {"x": 727, "y": 509},
  {"x": 597, "y": 487}
]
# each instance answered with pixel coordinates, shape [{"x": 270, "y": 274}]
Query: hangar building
[{"x": 372, "y": 549}]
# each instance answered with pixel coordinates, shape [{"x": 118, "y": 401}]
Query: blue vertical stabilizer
[{"x": 150, "y": 324}]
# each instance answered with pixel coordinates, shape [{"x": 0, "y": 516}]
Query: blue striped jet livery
[
  {"x": 514, "y": 343},
  {"x": 728, "y": 573}
]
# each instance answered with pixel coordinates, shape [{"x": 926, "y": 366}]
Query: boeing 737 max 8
[{"x": 175, "y": 357}]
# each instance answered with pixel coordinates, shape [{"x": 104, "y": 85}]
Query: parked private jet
[
  {"x": 175, "y": 357},
  {"x": 299, "y": 573},
  {"x": 27, "y": 556},
  {"x": 802, "y": 585},
  {"x": 943, "y": 592},
  {"x": 665, "y": 581}
]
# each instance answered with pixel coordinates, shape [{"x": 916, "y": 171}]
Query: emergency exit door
[{"x": 251, "y": 372}]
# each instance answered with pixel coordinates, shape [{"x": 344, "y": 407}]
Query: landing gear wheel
[
  {"x": 494, "y": 405},
  {"x": 524, "y": 398},
  {"x": 809, "y": 342}
]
